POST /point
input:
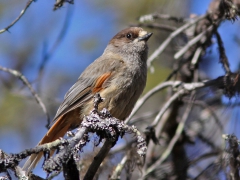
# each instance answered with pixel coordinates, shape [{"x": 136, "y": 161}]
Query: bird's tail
[{"x": 59, "y": 128}]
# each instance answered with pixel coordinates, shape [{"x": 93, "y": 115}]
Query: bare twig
[
  {"x": 157, "y": 26},
  {"x": 230, "y": 83},
  {"x": 233, "y": 157},
  {"x": 207, "y": 168},
  {"x": 172, "y": 142},
  {"x": 229, "y": 9},
  {"x": 196, "y": 56},
  {"x": 142, "y": 117},
  {"x": 222, "y": 54},
  {"x": 19, "y": 17},
  {"x": 208, "y": 108},
  {"x": 192, "y": 42},
  {"x": 150, "y": 93},
  {"x": 160, "y": 49},
  {"x": 98, "y": 159},
  {"x": 116, "y": 173},
  {"x": 152, "y": 144},
  {"x": 26, "y": 82},
  {"x": 173, "y": 84},
  {"x": 59, "y": 3},
  {"x": 12, "y": 160},
  {"x": 121, "y": 148},
  {"x": 176, "y": 69},
  {"x": 165, "y": 107},
  {"x": 62, "y": 158},
  {"x": 152, "y": 17},
  {"x": 204, "y": 156}
]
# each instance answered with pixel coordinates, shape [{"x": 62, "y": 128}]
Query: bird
[{"x": 119, "y": 75}]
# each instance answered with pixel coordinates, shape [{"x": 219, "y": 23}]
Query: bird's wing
[{"x": 94, "y": 78}]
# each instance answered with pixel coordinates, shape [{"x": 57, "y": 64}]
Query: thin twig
[
  {"x": 204, "y": 156},
  {"x": 117, "y": 171},
  {"x": 98, "y": 159},
  {"x": 185, "y": 87},
  {"x": 165, "y": 107},
  {"x": 172, "y": 142},
  {"x": 192, "y": 42},
  {"x": 151, "y": 146},
  {"x": 150, "y": 93},
  {"x": 222, "y": 54},
  {"x": 59, "y": 3},
  {"x": 196, "y": 57},
  {"x": 176, "y": 69},
  {"x": 233, "y": 155},
  {"x": 160, "y": 49},
  {"x": 143, "y": 117},
  {"x": 19, "y": 17},
  {"x": 208, "y": 108},
  {"x": 26, "y": 82},
  {"x": 173, "y": 84},
  {"x": 157, "y": 26},
  {"x": 121, "y": 147},
  {"x": 205, "y": 169},
  {"x": 14, "y": 159},
  {"x": 151, "y": 17}
]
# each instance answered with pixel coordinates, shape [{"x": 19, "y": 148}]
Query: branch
[
  {"x": 161, "y": 48},
  {"x": 150, "y": 93},
  {"x": 204, "y": 156},
  {"x": 209, "y": 109},
  {"x": 196, "y": 57},
  {"x": 173, "y": 141},
  {"x": 233, "y": 157},
  {"x": 192, "y": 42},
  {"x": 156, "y": 26},
  {"x": 116, "y": 173},
  {"x": 106, "y": 126},
  {"x": 152, "y": 17},
  {"x": 165, "y": 107},
  {"x": 222, "y": 54},
  {"x": 19, "y": 17},
  {"x": 101, "y": 123},
  {"x": 98, "y": 159},
  {"x": 59, "y": 3},
  {"x": 12, "y": 160},
  {"x": 26, "y": 82}
]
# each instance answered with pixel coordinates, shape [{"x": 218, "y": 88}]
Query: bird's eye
[{"x": 129, "y": 35}]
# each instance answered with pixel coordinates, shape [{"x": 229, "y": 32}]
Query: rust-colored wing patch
[{"x": 98, "y": 86}]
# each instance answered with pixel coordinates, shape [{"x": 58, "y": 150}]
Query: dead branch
[
  {"x": 26, "y": 82},
  {"x": 18, "y": 18}
]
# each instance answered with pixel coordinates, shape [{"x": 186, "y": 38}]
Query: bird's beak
[{"x": 144, "y": 36}]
